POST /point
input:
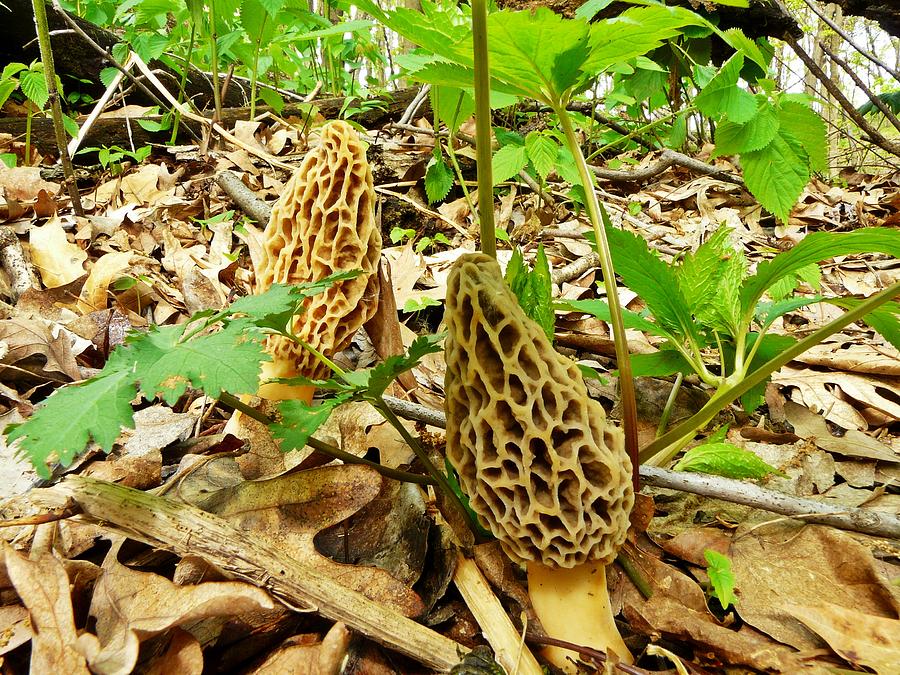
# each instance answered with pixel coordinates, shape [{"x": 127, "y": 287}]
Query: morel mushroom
[
  {"x": 543, "y": 469},
  {"x": 323, "y": 222}
]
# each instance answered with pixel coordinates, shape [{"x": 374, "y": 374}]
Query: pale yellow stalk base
[
  {"x": 573, "y": 605},
  {"x": 275, "y": 391}
]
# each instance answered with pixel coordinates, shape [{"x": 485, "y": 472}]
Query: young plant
[
  {"x": 714, "y": 318},
  {"x": 112, "y": 157}
]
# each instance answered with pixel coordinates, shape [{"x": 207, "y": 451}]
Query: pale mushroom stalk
[
  {"x": 573, "y": 604},
  {"x": 323, "y": 223},
  {"x": 542, "y": 467}
]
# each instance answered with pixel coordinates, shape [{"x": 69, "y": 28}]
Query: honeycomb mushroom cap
[
  {"x": 324, "y": 222},
  {"x": 542, "y": 467}
]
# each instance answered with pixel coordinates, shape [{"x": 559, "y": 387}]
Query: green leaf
[
  {"x": 536, "y": 51},
  {"x": 773, "y": 345},
  {"x": 659, "y": 364},
  {"x": 884, "y": 319},
  {"x": 653, "y": 280},
  {"x": 767, "y": 312},
  {"x": 227, "y": 360},
  {"x": 452, "y": 105},
  {"x": 508, "y": 161},
  {"x": 804, "y": 125},
  {"x": 299, "y": 420},
  {"x": 724, "y": 459},
  {"x": 733, "y": 139},
  {"x": 533, "y": 288},
  {"x": 589, "y": 9},
  {"x": 701, "y": 272},
  {"x": 723, "y": 313},
  {"x": 634, "y": 32},
  {"x": 600, "y": 310},
  {"x": 372, "y": 382},
  {"x": 735, "y": 38},
  {"x": 721, "y": 577},
  {"x": 72, "y": 416},
  {"x": 34, "y": 86},
  {"x": 814, "y": 248},
  {"x": 723, "y": 96},
  {"x": 438, "y": 180},
  {"x": 777, "y": 174},
  {"x": 542, "y": 151}
]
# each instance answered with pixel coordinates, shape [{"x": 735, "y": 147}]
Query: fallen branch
[{"x": 186, "y": 530}]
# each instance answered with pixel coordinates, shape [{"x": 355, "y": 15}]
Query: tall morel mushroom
[
  {"x": 323, "y": 222},
  {"x": 542, "y": 467}
]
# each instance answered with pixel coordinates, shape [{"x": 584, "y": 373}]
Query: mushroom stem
[
  {"x": 573, "y": 605},
  {"x": 276, "y": 391}
]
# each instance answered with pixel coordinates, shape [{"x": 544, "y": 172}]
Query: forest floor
[{"x": 164, "y": 239}]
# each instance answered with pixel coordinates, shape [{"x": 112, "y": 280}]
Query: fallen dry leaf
[
  {"x": 291, "y": 509},
  {"x": 861, "y": 639},
  {"x": 58, "y": 261},
  {"x": 43, "y": 586},
  {"x": 786, "y": 563},
  {"x": 130, "y": 606}
]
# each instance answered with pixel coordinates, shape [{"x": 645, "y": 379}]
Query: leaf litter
[{"x": 163, "y": 240}]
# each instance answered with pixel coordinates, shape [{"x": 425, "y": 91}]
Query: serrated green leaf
[
  {"x": 736, "y": 38},
  {"x": 533, "y": 289},
  {"x": 300, "y": 420},
  {"x": 723, "y": 312},
  {"x": 508, "y": 161},
  {"x": 227, "y": 360},
  {"x": 804, "y": 125},
  {"x": 723, "y": 96},
  {"x": 814, "y": 248},
  {"x": 653, "y": 280},
  {"x": 272, "y": 6},
  {"x": 536, "y": 51},
  {"x": 701, "y": 272},
  {"x": 777, "y": 174},
  {"x": 542, "y": 152},
  {"x": 377, "y": 379},
  {"x": 721, "y": 577},
  {"x": 438, "y": 180},
  {"x": 34, "y": 85},
  {"x": 734, "y": 139},
  {"x": 255, "y": 19},
  {"x": 724, "y": 459},
  {"x": 74, "y": 415},
  {"x": 634, "y": 32}
]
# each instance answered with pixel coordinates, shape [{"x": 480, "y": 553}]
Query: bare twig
[
  {"x": 849, "y": 40},
  {"x": 874, "y": 135},
  {"x": 12, "y": 258},
  {"x": 739, "y": 492},
  {"x": 874, "y": 98},
  {"x": 413, "y": 108}
]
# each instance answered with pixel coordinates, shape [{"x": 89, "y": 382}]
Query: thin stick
[
  {"x": 75, "y": 143},
  {"x": 501, "y": 634}
]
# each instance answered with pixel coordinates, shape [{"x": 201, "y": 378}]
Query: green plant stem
[
  {"x": 43, "y": 32},
  {"x": 459, "y": 177},
  {"x": 670, "y": 403},
  {"x": 214, "y": 61},
  {"x": 660, "y": 450},
  {"x": 182, "y": 84},
  {"x": 440, "y": 479},
  {"x": 596, "y": 212},
  {"x": 483, "y": 129},
  {"x": 327, "y": 448},
  {"x": 254, "y": 71},
  {"x": 640, "y": 131}
]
